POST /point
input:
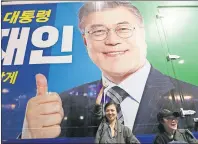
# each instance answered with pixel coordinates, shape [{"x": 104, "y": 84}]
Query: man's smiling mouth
[{"x": 114, "y": 53}]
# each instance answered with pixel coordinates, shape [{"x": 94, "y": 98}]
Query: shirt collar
[{"x": 134, "y": 84}]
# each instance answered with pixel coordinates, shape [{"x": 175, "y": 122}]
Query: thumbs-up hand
[
  {"x": 44, "y": 113},
  {"x": 41, "y": 85}
]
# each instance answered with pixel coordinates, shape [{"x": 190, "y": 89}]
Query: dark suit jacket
[{"x": 160, "y": 92}]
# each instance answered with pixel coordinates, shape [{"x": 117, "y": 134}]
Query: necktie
[{"x": 117, "y": 95}]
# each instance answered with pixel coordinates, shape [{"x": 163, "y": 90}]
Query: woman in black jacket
[{"x": 168, "y": 129}]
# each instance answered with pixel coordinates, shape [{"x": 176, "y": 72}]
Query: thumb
[{"x": 41, "y": 84}]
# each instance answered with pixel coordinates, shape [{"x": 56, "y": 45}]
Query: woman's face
[
  {"x": 170, "y": 123},
  {"x": 111, "y": 113}
]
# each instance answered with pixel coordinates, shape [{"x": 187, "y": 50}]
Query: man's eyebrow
[
  {"x": 124, "y": 22},
  {"x": 96, "y": 25},
  {"x": 99, "y": 25}
]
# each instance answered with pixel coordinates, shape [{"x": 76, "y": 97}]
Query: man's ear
[{"x": 84, "y": 40}]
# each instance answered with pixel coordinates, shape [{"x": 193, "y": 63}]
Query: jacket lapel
[
  {"x": 119, "y": 132},
  {"x": 155, "y": 97}
]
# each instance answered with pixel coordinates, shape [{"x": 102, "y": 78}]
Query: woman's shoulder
[
  {"x": 124, "y": 127},
  {"x": 186, "y": 132},
  {"x": 126, "y": 130}
]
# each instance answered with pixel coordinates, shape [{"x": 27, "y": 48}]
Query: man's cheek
[{"x": 95, "y": 57}]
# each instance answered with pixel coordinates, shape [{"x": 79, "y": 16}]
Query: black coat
[{"x": 180, "y": 135}]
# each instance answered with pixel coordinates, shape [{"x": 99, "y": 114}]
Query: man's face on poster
[{"x": 115, "y": 41}]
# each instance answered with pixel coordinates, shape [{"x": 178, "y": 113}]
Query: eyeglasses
[
  {"x": 100, "y": 33},
  {"x": 171, "y": 118}
]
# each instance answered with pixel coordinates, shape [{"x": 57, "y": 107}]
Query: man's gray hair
[{"x": 96, "y": 6}]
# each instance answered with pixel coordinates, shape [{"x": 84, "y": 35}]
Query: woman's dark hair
[
  {"x": 161, "y": 128},
  {"x": 111, "y": 103}
]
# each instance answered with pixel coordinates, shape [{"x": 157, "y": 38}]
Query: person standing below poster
[
  {"x": 169, "y": 131},
  {"x": 114, "y": 35},
  {"x": 111, "y": 130}
]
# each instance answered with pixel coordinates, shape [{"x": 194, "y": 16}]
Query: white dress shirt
[{"x": 134, "y": 86}]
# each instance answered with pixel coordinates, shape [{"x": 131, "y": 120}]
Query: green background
[{"x": 172, "y": 28}]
